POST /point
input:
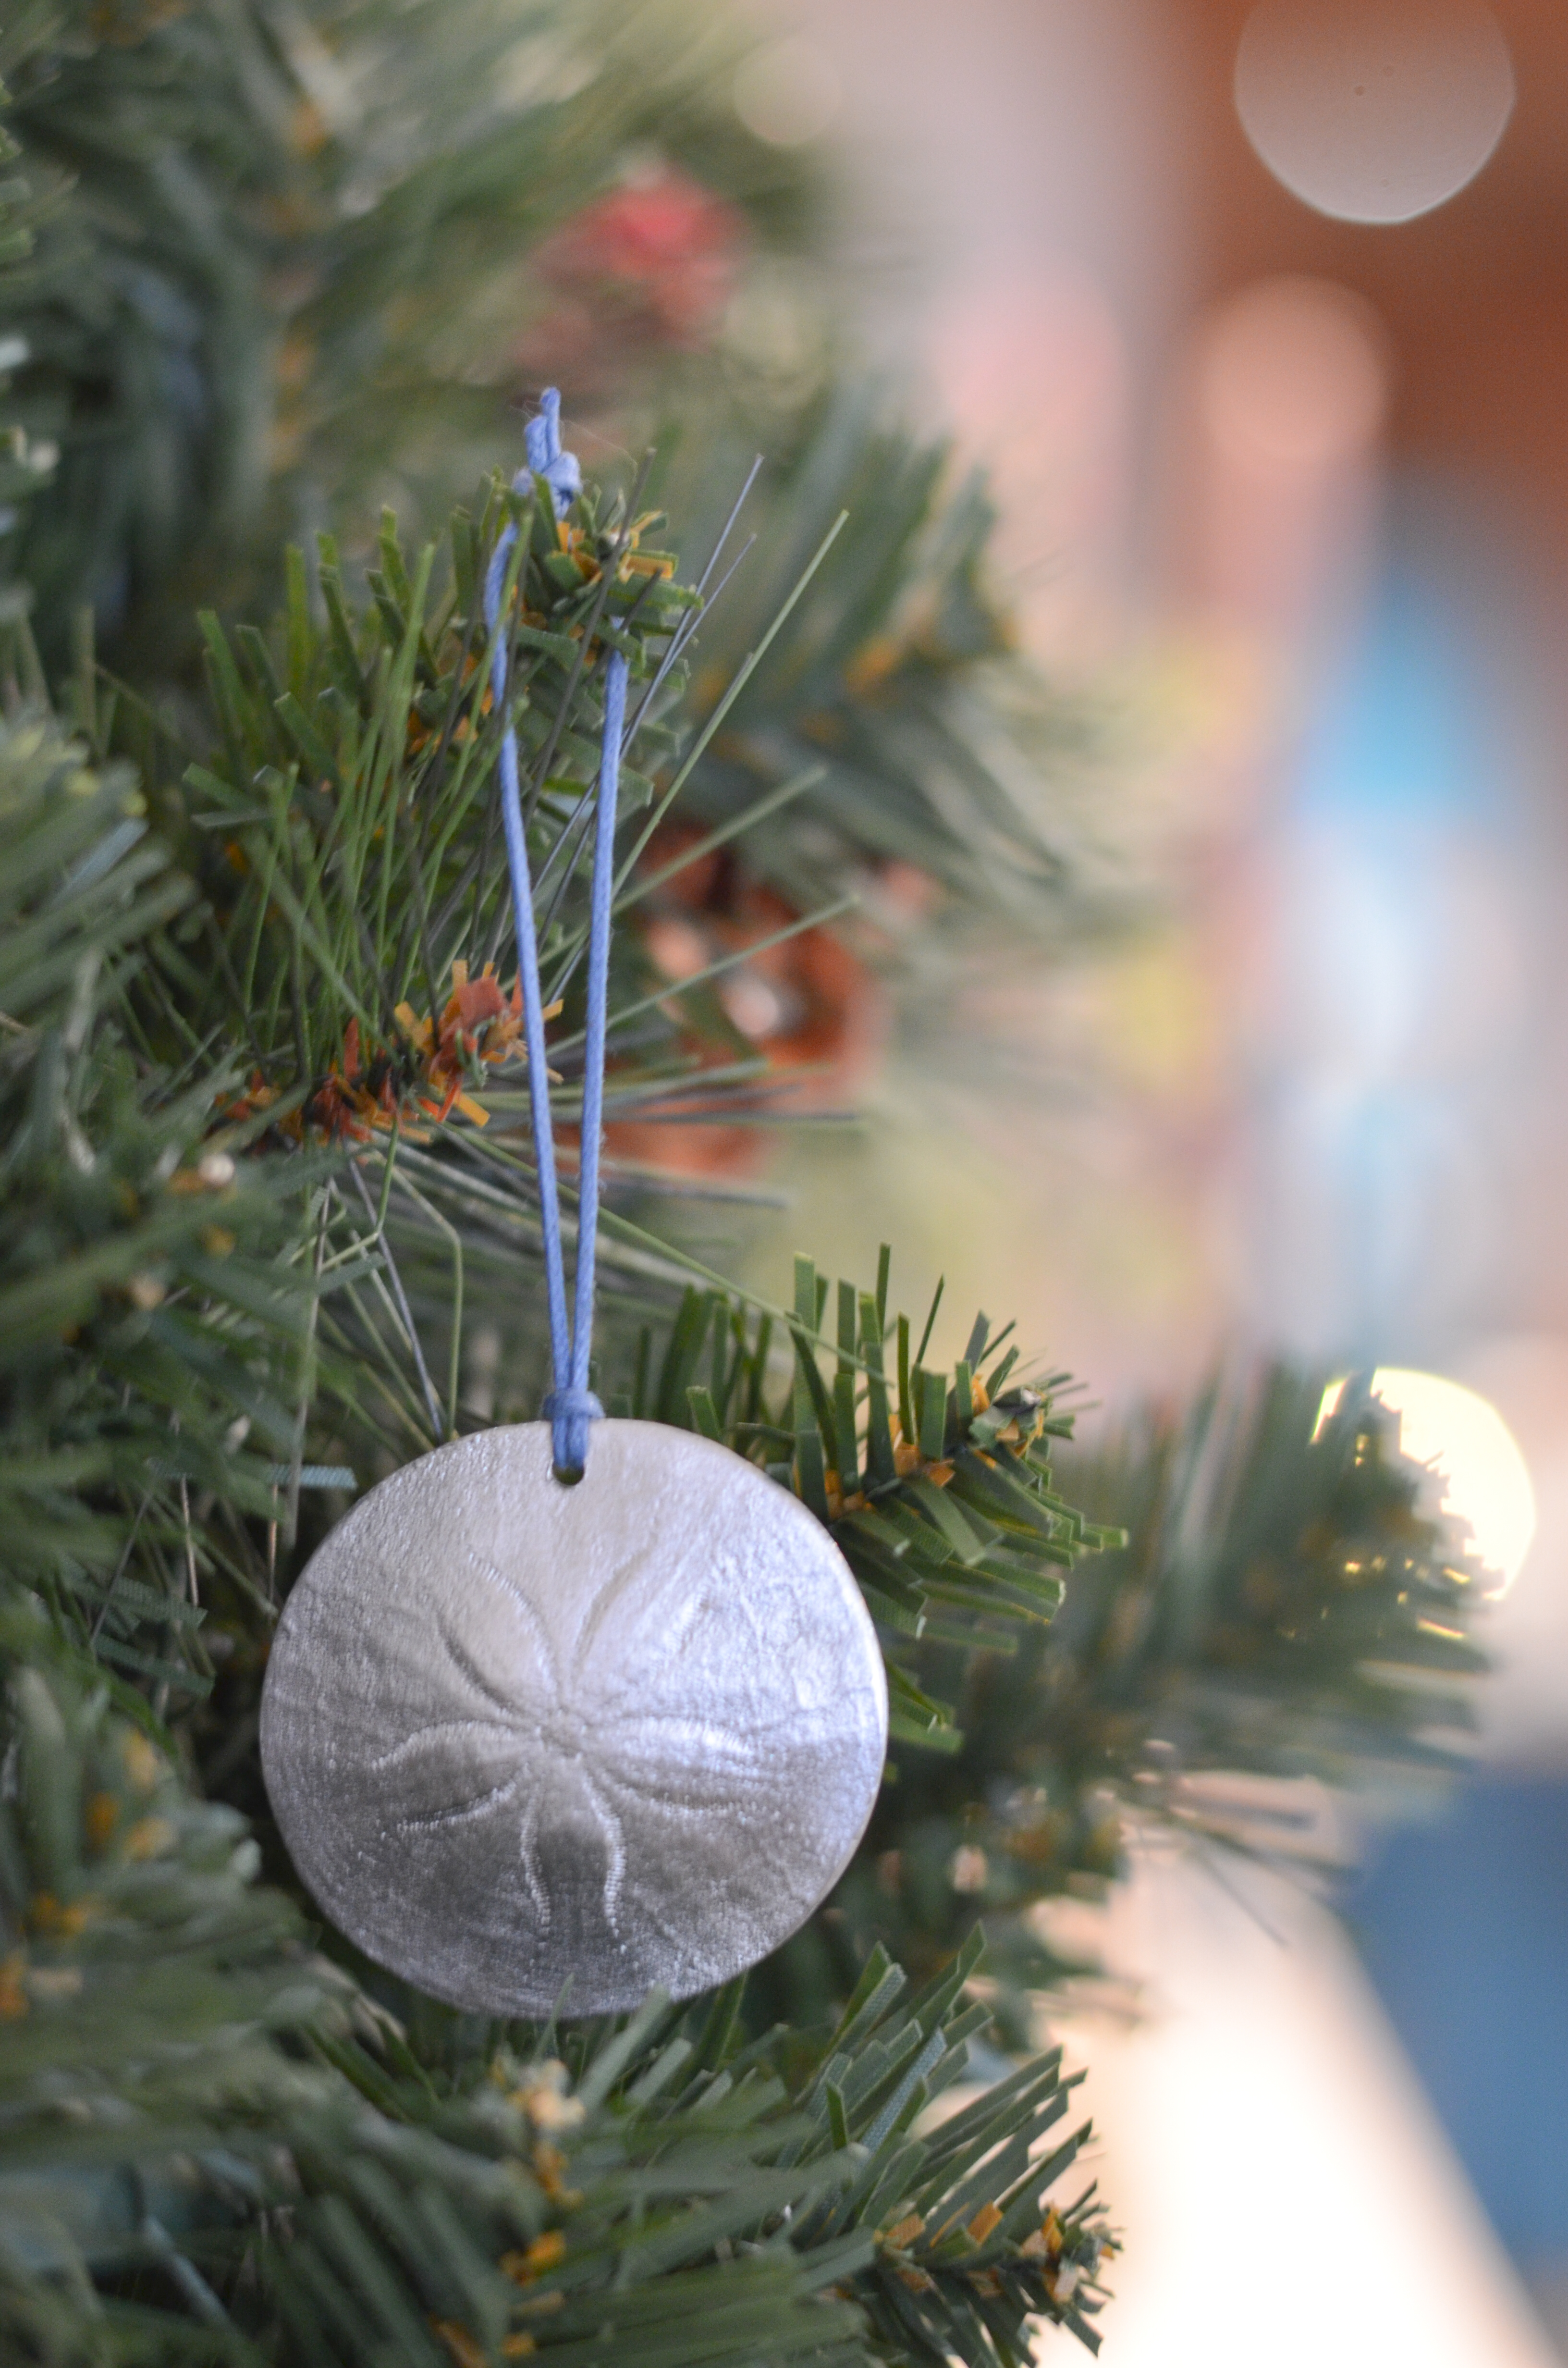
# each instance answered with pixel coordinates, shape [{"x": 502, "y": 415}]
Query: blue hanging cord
[
  {"x": 571, "y": 1405},
  {"x": 541, "y": 442}
]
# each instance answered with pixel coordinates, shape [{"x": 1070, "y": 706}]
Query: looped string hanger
[{"x": 570, "y": 1407}]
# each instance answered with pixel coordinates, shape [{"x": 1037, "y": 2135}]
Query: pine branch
[
  {"x": 674, "y": 2195},
  {"x": 287, "y": 251},
  {"x": 937, "y": 1485},
  {"x": 937, "y": 1488},
  {"x": 216, "y": 2146},
  {"x": 380, "y": 181},
  {"x": 27, "y": 454},
  {"x": 202, "y": 1317},
  {"x": 940, "y": 754},
  {"x": 1281, "y": 1610},
  {"x": 343, "y": 831},
  {"x": 148, "y": 1306}
]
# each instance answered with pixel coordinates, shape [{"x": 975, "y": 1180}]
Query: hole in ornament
[
  {"x": 1373, "y": 111},
  {"x": 564, "y": 1473}
]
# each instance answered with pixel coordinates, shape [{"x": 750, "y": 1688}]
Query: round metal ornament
[{"x": 519, "y": 1735}]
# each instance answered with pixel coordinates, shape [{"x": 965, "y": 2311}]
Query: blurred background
[{"x": 1260, "y": 320}]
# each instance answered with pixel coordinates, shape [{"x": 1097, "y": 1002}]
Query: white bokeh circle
[
  {"x": 787, "y": 93},
  {"x": 1480, "y": 1477},
  {"x": 1373, "y": 111}
]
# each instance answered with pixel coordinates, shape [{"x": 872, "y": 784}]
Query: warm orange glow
[{"x": 1292, "y": 374}]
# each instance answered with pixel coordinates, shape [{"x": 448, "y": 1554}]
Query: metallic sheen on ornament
[{"x": 519, "y": 1735}]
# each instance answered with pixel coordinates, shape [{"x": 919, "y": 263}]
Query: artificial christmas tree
[{"x": 270, "y": 1231}]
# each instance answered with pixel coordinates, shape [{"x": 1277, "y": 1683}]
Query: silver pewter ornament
[{"x": 627, "y": 1732}]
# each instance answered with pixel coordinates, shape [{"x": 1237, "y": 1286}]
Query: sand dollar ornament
[
  {"x": 517, "y": 1734},
  {"x": 525, "y": 1732}
]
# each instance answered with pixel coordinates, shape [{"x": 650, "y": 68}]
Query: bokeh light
[
  {"x": 1293, "y": 373},
  {"x": 1486, "y": 1480},
  {"x": 788, "y": 94},
  {"x": 1374, "y": 110}
]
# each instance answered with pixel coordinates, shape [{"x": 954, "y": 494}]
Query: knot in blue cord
[
  {"x": 569, "y": 1412},
  {"x": 541, "y": 442},
  {"x": 570, "y": 1407}
]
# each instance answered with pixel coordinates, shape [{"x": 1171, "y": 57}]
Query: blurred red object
[
  {"x": 653, "y": 262},
  {"x": 807, "y": 1005}
]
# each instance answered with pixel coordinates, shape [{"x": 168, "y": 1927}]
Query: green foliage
[
  {"x": 937, "y": 750},
  {"x": 302, "y": 2178},
  {"x": 27, "y": 461},
  {"x": 147, "y": 1987},
  {"x": 245, "y": 1194},
  {"x": 345, "y": 830},
  {"x": 349, "y": 874},
  {"x": 150, "y": 1316},
  {"x": 1278, "y": 1606},
  {"x": 355, "y": 901},
  {"x": 968, "y": 2247},
  {"x": 280, "y": 265},
  {"x": 285, "y": 258},
  {"x": 216, "y": 2149},
  {"x": 938, "y": 1492},
  {"x": 1282, "y": 1609},
  {"x": 1297, "y": 1611}
]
